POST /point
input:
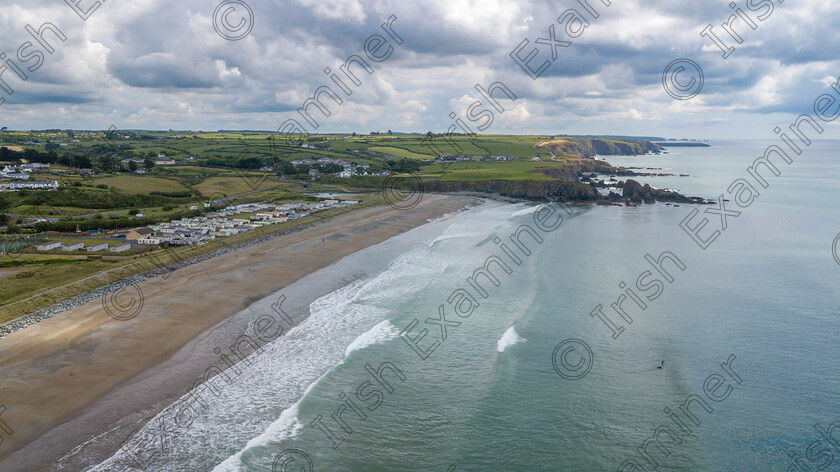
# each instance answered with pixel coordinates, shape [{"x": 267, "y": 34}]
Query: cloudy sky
[{"x": 160, "y": 64}]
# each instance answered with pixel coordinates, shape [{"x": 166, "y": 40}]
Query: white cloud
[{"x": 130, "y": 62}]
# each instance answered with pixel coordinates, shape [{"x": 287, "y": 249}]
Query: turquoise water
[{"x": 489, "y": 399}]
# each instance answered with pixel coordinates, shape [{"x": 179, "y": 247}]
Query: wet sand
[{"x": 81, "y": 373}]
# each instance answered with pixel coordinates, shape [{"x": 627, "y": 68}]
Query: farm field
[
  {"x": 141, "y": 184},
  {"x": 479, "y": 171},
  {"x": 234, "y": 185},
  {"x": 400, "y": 152}
]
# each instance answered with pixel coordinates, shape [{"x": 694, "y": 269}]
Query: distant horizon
[{"x": 405, "y": 133}]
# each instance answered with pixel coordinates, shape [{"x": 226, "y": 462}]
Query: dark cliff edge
[
  {"x": 532, "y": 190},
  {"x": 590, "y": 147},
  {"x": 569, "y": 191}
]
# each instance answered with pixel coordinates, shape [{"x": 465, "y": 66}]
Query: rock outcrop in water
[{"x": 637, "y": 193}]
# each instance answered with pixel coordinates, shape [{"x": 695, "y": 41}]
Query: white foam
[
  {"x": 457, "y": 230},
  {"x": 508, "y": 339},
  {"x": 286, "y": 426},
  {"x": 380, "y": 333},
  {"x": 526, "y": 211},
  {"x": 262, "y": 405}
]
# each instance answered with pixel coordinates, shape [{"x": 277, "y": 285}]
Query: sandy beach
[{"x": 81, "y": 373}]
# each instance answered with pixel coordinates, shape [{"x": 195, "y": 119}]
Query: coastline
[
  {"x": 46, "y": 313},
  {"x": 81, "y": 374}
]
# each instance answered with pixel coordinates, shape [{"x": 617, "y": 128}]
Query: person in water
[{"x": 661, "y": 365}]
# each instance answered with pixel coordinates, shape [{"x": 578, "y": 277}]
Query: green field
[
  {"x": 400, "y": 152},
  {"x": 234, "y": 185},
  {"x": 481, "y": 171},
  {"x": 143, "y": 184}
]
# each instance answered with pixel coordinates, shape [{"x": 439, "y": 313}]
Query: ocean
[{"x": 433, "y": 363}]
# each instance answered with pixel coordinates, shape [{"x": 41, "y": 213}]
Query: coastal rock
[{"x": 637, "y": 192}]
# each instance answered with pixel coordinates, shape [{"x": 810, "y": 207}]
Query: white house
[
  {"x": 98, "y": 247},
  {"x": 16, "y": 175},
  {"x": 36, "y": 166},
  {"x": 73, "y": 247},
  {"x": 34, "y": 185},
  {"x": 49, "y": 246},
  {"x": 120, "y": 248},
  {"x": 148, "y": 241}
]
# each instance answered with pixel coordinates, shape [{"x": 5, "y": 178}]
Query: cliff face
[
  {"x": 590, "y": 147},
  {"x": 571, "y": 170}
]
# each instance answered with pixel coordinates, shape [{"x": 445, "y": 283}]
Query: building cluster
[
  {"x": 161, "y": 161},
  {"x": 349, "y": 169},
  {"x": 227, "y": 222},
  {"x": 230, "y": 221},
  {"x": 80, "y": 246},
  {"x": 322, "y": 161},
  {"x": 20, "y": 178},
  {"x": 22, "y": 172},
  {"x": 29, "y": 185}
]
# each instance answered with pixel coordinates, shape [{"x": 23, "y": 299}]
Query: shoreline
[
  {"x": 46, "y": 313},
  {"x": 83, "y": 375},
  {"x": 155, "y": 265}
]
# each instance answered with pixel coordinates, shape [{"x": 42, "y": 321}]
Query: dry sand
[{"x": 56, "y": 376}]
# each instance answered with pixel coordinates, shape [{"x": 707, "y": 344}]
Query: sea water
[{"x": 761, "y": 300}]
